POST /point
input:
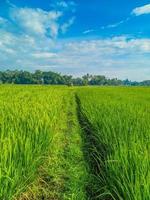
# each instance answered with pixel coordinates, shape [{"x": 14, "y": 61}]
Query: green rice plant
[
  {"x": 40, "y": 144},
  {"x": 74, "y": 143},
  {"x": 29, "y": 117},
  {"x": 119, "y": 123}
]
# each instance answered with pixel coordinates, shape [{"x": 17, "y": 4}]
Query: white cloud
[
  {"x": 44, "y": 55},
  {"x": 142, "y": 10},
  {"x": 66, "y": 25},
  {"x": 2, "y": 20},
  {"x": 120, "y": 57},
  {"x": 10, "y": 4},
  {"x": 28, "y": 40},
  {"x": 65, "y": 5},
  {"x": 37, "y": 21},
  {"x": 4, "y": 23},
  {"x": 88, "y": 31},
  {"x": 115, "y": 24},
  {"x": 31, "y": 48},
  {"x": 114, "y": 57}
]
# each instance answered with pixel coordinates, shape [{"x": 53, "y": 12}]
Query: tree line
[{"x": 53, "y": 78}]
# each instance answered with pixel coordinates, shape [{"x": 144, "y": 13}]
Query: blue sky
[{"x": 75, "y": 37}]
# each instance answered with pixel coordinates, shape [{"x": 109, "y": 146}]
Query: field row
[
  {"x": 40, "y": 144},
  {"x": 117, "y": 128},
  {"x": 74, "y": 143}
]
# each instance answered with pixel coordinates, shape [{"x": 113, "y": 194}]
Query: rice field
[
  {"x": 119, "y": 141},
  {"x": 74, "y": 143}
]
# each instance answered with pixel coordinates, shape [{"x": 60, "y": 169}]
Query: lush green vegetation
[
  {"x": 117, "y": 124},
  {"x": 74, "y": 143},
  {"x": 40, "y": 144},
  {"x": 52, "y": 78}
]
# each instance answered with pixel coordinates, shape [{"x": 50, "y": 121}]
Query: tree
[
  {"x": 67, "y": 80},
  {"x": 38, "y": 77},
  {"x": 98, "y": 80},
  {"x": 53, "y": 78},
  {"x": 24, "y": 77},
  {"x": 77, "y": 81},
  {"x": 86, "y": 78}
]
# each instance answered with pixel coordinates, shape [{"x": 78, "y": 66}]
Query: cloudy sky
[{"x": 107, "y": 37}]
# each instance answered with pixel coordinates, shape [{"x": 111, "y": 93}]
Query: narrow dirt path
[
  {"x": 91, "y": 151},
  {"x": 76, "y": 164},
  {"x": 64, "y": 173}
]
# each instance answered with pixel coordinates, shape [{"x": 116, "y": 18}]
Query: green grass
[
  {"x": 37, "y": 143},
  {"x": 119, "y": 120},
  {"x": 74, "y": 143}
]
